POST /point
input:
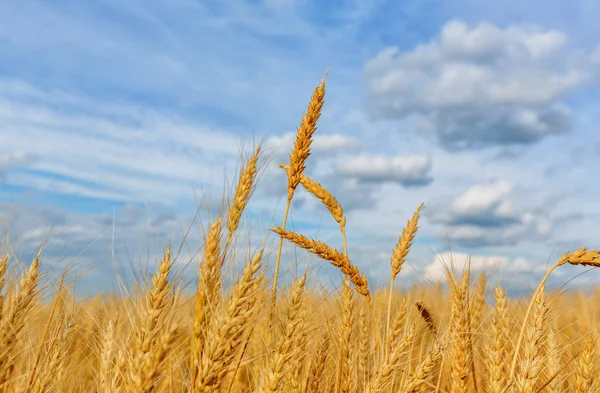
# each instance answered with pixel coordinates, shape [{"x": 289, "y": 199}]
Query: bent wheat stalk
[
  {"x": 323, "y": 251},
  {"x": 581, "y": 257}
]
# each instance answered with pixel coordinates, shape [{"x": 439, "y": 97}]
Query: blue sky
[{"x": 488, "y": 114}]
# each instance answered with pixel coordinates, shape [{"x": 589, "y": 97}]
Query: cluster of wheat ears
[{"x": 244, "y": 338}]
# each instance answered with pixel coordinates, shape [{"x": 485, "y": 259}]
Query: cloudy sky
[{"x": 118, "y": 118}]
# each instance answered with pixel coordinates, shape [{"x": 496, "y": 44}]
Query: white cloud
[
  {"x": 483, "y": 215},
  {"x": 481, "y": 199},
  {"x": 404, "y": 170},
  {"x": 479, "y": 86},
  {"x": 436, "y": 269}
]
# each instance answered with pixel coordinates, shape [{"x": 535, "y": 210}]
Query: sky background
[{"x": 118, "y": 118}]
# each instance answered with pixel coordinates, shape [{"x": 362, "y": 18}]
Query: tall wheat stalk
[{"x": 298, "y": 157}]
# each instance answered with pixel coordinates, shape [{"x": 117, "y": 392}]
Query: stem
[
  {"x": 277, "y": 264},
  {"x": 389, "y": 309},
  {"x": 338, "y": 384},
  {"x": 343, "y": 230}
]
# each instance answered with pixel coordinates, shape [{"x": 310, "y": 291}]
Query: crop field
[{"x": 246, "y": 331}]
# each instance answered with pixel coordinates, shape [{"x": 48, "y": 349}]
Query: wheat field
[{"x": 258, "y": 335}]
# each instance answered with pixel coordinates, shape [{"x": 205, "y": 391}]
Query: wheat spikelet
[
  {"x": 554, "y": 369},
  {"x": 304, "y": 137},
  {"x": 399, "y": 255},
  {"x": 478, "y": 303},
  {"x": 460, "y": 351},
  {"x": 364, "y": 347},
  {"x": 343, "y": 378},
  {"x": 498, "y": 350},
  {"x": 106, "y": 371},
  {"x": 207, "y": 294},
  {"x": 581, "y": 257},
  {"x": 326, "y": 198},
  {"x": 419, "y": 380},
  {"x": 318, "y": 365},
  {"x": 530, "y": 365},
  {"x": 226, "y": 329},
  {"x": 285, "y": 348},
  {"x": 242, "y": 194},
  {"x": 399, "y": 320},
  {"x": 141, "y": 376},
  {"x": 398, "y": 324},
  {"x": 18, "y": 309},
  {"x": 404, "y": 242},
  {"x": 329, "y": 254},
  {"x": 391, "y": 362},
  {"x": 585, "y": 371},
  {"x": 155, "y": 366},
  {"x": 298, "y": 359},
  {"x": 53, "y": 369}
]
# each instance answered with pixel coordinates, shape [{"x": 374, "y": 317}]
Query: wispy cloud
[{"x": 489, "y": 115}]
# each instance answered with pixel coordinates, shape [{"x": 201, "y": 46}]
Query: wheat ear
[
  {"x": 399, "y": 257},
  {"x": 227, "y": 328},
  {"x": 242, "y": 195},
  {"x": 498, "y": 351},
  {"x": 285, "y": 348},
  {"x": 585, "y": 371},
  {"x": 142, "y": 377},
  {"x": 323, "y": 251},
  {"x": 208, "y": 293},
  {"x": 343, "y": 371}
]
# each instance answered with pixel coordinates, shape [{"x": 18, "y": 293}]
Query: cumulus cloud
[
  {"x": 404, "y": 170},
  {"x": 436, "y": 269},
  {"x": 355, "y": 181},
  {"x": 484, "y": 216},
  {"x": 474, "y": 87}
]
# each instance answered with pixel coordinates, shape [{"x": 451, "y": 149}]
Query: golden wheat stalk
[
  {"x": 531, "y": 363},
  {"x": 208, "y": 293},
  {"x": 498, "y": 350},
  {"x": 244, "y": 189},
  {"x": 19, "y": 307},
  {"x": 343, "y": 370},
  {"x": 461, "y": 332},
  {"x": 141, "y": 376},
  {"x": 298, "y": 157},
  {"x": 327, "y": 253},
  {"x": 581, "y": 257},
  {"x": 284, "y": 352},
  {"x": 227, "y": 328},
  {"x": 585, "y": 371},
  {"x": 399, "y": 257},
  {"x": 304, "y": 137}
]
